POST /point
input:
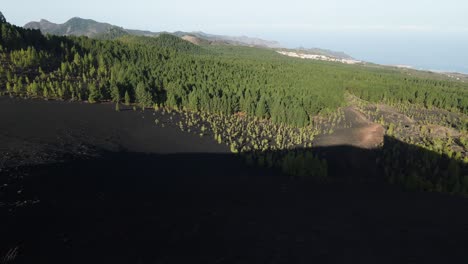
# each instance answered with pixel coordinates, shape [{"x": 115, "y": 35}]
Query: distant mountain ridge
[
  {"x": 233, "y": 40},
  {"x": 75, "y": 26},
  {"x": 87, "y": 27}
]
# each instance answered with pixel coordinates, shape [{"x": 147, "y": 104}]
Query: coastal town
[{"x": 318, "y": 57}]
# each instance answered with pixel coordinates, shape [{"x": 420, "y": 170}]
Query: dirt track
[{"x": 363, "y": 133}]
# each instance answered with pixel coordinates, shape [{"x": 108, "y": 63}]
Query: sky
[{"x": 392, "y": 29}]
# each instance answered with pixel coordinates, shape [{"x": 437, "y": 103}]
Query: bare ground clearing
[{"x": 363, "y": 133}]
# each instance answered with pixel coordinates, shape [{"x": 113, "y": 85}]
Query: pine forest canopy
[{"x": 169, "y": 71}]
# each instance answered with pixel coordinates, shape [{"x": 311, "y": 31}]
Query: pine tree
[
  {"x": 2, "y": 18},
  {"x": 127, "y": 98},
  {"x": 261, "y": 110},
  {"x": 115, "y": 93},
  {"x": 94, "y": 94},
  {"x": 143, "y": 96}
]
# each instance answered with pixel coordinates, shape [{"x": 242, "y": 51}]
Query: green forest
[{"x": 168, "y": 71}]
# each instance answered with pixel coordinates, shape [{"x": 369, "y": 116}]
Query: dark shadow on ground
[{"x": 213, "y": 208}]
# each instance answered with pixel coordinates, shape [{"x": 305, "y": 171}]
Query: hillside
[
  {"x": 129, "y": 189},
  {"x": 220, "y": 79},
  {"x": 231, "y": 40},
  {"x": 175, "y": 148},
  {"x": 164, "y": 40},
  {"x": 90, "y": 28},
  {"x": 74, "y": 27}
]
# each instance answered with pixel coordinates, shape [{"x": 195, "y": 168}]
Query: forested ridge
[{"x": 168, "y": 71}]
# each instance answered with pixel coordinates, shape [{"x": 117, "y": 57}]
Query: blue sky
[{"x": 388, "y": 32}]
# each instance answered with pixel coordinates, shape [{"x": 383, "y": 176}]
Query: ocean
[{"x": 440, "y": 51}]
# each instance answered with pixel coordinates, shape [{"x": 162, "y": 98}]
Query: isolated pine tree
[
  {"x": 94, "y": 95},
  {"x": 127, "y": 98}
]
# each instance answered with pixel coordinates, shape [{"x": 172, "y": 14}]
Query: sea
[{"x": 440, "y": 52}]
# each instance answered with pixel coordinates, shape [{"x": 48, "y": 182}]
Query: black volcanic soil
[
  {"x": 37, "y": 131},
  {"x": 115, "y": 188}
]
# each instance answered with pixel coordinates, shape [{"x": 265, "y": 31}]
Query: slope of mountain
[
  {"x": 164, "y": 40},
  {"x": 91, "y": 28},
  {"x": 84, "y": 27},
  {"x": 75, "y": 26},
  {"x": 87, "y": 27},
  {"x": 195, "y": 40},
  {"x": 232, "y": 40}
]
